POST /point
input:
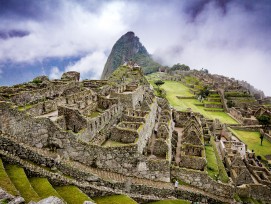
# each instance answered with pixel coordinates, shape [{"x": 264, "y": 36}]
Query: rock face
[
  {"x": 51, "y": 200},
  {"x": 8, "y": 198},
  {"x": 128, "y": 47}
]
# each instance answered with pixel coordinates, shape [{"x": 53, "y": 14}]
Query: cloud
[
  {"x": 55, "y": 73},
  {"x": 73, "y": 31},
  {"x": 229, "y": 37},
  {"x": 90, "y": 66}
]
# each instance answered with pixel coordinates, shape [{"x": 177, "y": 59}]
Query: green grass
[
  {"x": 252, "y": 140},
  {"x": 111, "y": 143},
  {"x": 21, "y": 182},
  {"x": 174, "y": 89},
  {"x": 250, "y": 200},
  {"x": 170, "y": 202},
  {"x": 43, "y": 188},
  {"x": 115, "y": 199},
  {"x": 5, "y": 182},
  {"x": 212, "y": 168},
  {"x": 94, "y": 114},
  {"x": 72, "y": 194},
  {"x": 223, "y": 176}
]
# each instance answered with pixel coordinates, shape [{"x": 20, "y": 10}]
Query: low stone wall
[
  {"x": 104, "y": 188},
  {"x": 213, "y": 105},
  {"x": 192, "y": 162},
  {"x": 268, "y": 137},
  {"x": 130, "y": 99},
  {"x": 244, "y": 128},
  {"x": 26, "y": 97},
  {"x": 124, "y": 135},
  {"x": 256, "y": 191},
  {"x": 203, "y": 181}
]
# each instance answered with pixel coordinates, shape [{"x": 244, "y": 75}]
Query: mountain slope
[{"x": 128, "y": 47}]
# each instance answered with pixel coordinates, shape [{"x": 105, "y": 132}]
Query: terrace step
[
  {"x": 21, "y": 182},
  {"x": 72, "y": 194},
  {"x": 5, "y": 181},
  {"x": 43, "y": 187}
]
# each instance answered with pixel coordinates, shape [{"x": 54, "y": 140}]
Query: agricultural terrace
[
  {"x": 174, "y": 89},
  {"x": 253, "y": 142}
]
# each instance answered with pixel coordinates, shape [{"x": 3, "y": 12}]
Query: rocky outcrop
[
  {"x": 8, "y": 198},
  {"x": 51, "y": 200},
  {"x": 128, "y": 47}
]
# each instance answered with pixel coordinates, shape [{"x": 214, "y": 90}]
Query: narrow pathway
[{"x": 178, "y": 148}]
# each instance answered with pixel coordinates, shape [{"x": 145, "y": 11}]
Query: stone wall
[
  {"x": 130, "y": 98},
  {"x": 42, "y": 132},
  {"x": 99, "y": 187},
  {"x": 256, "y": 191},
  {"x": 202, "y": 180},
  {"x": 25, "y": 97}
]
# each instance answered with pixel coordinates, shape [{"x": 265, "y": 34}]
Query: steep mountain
[{"x": 128, "y": 47}]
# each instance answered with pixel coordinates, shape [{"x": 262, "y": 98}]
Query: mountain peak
[{"x": 128, "y": 47}]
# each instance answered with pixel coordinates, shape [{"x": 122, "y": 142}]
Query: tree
[
  {"x": 205, "y": 70},
  {"x": 159, "y": 83},
  {"x": 181, "y": 67},
  {"x": 264, "y": 121},
  {"x": 261, "y": 137},
  {"x": 204, "y": 92}
]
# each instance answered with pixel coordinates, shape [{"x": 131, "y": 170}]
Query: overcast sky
[{"x": 229, "y": 37}]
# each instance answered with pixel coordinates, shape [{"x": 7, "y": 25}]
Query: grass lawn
[
  {"x": 252, "y": 140},
  {"x": 72, "y": 194},
  {"x": 21, "y": 182},
  {"x": 5, "y": 182},
  {"x": 170, "y": 202},
  {"x": 174, "y": 89},
  {"x": 43, "y": 188},
  {"x": 212, "y": 166},
  {"x": 115, "y": 199}
]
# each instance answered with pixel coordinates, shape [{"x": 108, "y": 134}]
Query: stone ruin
[{"x": 117, "y": 126}]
